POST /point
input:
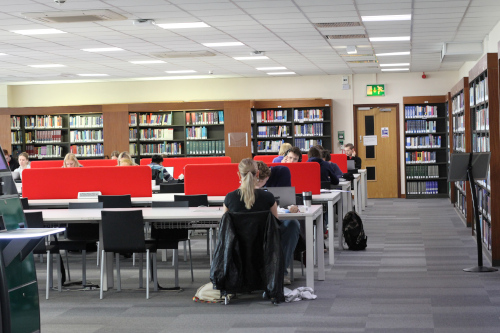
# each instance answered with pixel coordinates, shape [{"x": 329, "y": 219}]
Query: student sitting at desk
[
  {"x": 157, "y": 164},
  {"x": 115, "y": 154},
  {"x": 325, "y": 155},
  {"x": 70, "y": 161},
  {"x": 249, "y": 198},
  {"x": 13, "y": 165},
  {"x": 282, "y": 152},
  {"x": 351, "y": 155},
  {"x": 293, "y": 155},
  {"x": 125, "y": 159},
  {"x": 24, "y": 163},
  {"x": 327, "y": 173}
]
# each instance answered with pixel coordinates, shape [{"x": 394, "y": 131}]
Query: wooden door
[{"x": 379, "y": 123}]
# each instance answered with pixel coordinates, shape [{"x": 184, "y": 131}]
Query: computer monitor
[
  {"x": 170, "y": 170},
  {"x": 4, "y": 166},
  {"x": 285, "y": 195}
]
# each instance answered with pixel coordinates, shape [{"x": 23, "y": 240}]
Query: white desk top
[{"x": 29, "y": 233}]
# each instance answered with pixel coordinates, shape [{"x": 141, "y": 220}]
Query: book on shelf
[
  {"x": 132, "y": 119},
  {"x": 15, "y": 122},
  {"x": 173, "y": 148},
  {"x": 85, "y": 135},
  {"x": 308, "y": 115},
  {"x": 416, "y": 111},
  {"x": 156, "y": 134},
  {"x": 305, "y": 144},
  {"x": 88, "y": 150},
  {"x": 86, "y": 121}
]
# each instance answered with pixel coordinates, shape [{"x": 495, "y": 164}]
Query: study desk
[
  {"x": 309, "y": 214},
  {"x": 356, "y": 192}
]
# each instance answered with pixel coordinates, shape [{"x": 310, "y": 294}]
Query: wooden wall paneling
[
  {"x": 237, "y": 119},
  {"x": 424, "y": 99},
  {"x": 115, "y": 127},
  {"x": 291, "y": 103},
  {"x": 5, "y": 138}
]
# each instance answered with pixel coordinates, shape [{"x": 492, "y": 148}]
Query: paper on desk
[{"x": 331, "y": 191}]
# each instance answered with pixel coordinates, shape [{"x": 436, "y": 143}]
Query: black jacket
[
  {"x": 326, "y": 170},
  {"x": 248, "y": 255}
]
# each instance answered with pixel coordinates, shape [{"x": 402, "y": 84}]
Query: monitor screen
[{"x": 3, "y": 163}]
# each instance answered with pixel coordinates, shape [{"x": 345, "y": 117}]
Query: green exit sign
[{"x": 375, "y": 90}]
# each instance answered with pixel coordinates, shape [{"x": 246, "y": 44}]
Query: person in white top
[{"x": 24, "y": 163}]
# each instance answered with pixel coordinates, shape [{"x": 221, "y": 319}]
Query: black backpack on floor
[{"x": 353, "y": 232}]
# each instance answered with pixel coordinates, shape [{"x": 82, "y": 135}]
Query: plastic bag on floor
[{"x": 299, "y": 294}]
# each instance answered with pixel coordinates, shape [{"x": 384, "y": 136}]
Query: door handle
[{"x": 360, "y": 138}]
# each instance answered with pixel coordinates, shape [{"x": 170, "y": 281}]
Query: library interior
[{"x": 146, "y": 115}]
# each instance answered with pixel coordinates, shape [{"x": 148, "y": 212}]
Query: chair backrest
[
  {"x": 326, "y": 185},
  {"x": 24, "y": 202},
  {"x": 123, "y": 231},
  {"x": 34, "y": 219},
  {"x": 172, "y": 188},
  {"x": 115, "y": 201},
  {"x": 170, "y": 204},
  {"x": 85, "y": 205},
  {"x": 195, "y": 200}
]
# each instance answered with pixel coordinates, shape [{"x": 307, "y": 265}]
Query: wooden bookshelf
[
  {"x": 425, "y": 146},
  {"x": 460, "y": 132},
  {"x": 302, "y": 123}
]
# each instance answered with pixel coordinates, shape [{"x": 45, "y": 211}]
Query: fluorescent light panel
[
  {"x": 251, "y": 58},
  {"x": 269, "y": 68},
  {"x": 183, "y": 25},
  {"x": 223, "y": 44},
  {"x": 92, "y": 74},
  {"x": 103, "y": 49},
  {"x": 389, "y": 39},
  {"x": 351, "y": 50},
  {"x": 395, "y": 65},
  {"x": 181, "y": 71},
  {"x": 47, "y": 66},
  {"x": 1, "y": 54},
  {"x": 394, "y": 69},
  {"x": 379, "y": 18},
  {"x": 392, "y": 54},
  {"x": 38, "y": 31},
  {"x": 282, "y": 73},
  {"x": 139, "y": 62}
]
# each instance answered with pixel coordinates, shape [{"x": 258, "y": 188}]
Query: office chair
[
  {"x": 172, "y": 188},
  {"x": 35, "y": 220},
  {"x": 115, "y": 201},
  {"x": 169, "y": 238},
  {"x": 123, "y": 232}
]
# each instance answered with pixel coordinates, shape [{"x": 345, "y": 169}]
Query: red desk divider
[
  {"x": 340, "y": 160},
  {"x": 180, "y": 162},
  {"x": 65, "y": 183},
  {"x": 211, "y": 179},
  {"x": 305, "y": 176},
  {"x": 59, "y": 163}
]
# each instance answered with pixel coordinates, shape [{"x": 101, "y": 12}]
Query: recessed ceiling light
[
  {"x": 104, "y": 49},
  {"x": 389, "y": 39},
  {"x": 139, "y": 62},
  {"x": 269, "y": 68},
  {"x": 394, "y": 65},
  {"x": 92, "y": 74},
  {"x": 282, "y": 73},
  {"x": 392, "y": 54},
  {"x": 38, "y": 31},
  {"x": 183, "y": 25},
  {"x": 223, "y": 44},
  {"x": 394, "y": 69},
  {"x": 1, "y": 54},
  {"x": 351, "y": 49},
  {"x": 251, "y": 58},
  {"x": 386, "y": 18},
  {"x": 47, "y": 65},
  {"x": 181, "y": 71}
]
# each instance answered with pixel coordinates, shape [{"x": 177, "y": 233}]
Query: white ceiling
[{"x": 284, "y": 29}]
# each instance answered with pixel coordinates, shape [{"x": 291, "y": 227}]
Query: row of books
[
  {"x": 457, "y": 104},
  {"x": 416, "y": 157},
  {"x": 480, "y": 143},
  {"x": 150, "y": 119},
  {"x": 43, "y": 122},
  {"x": 269, "y": 146},
  {"x": 486, "y": 230},
  {"x": 478, "y": 92},
  {"x": 48, "y": 151},
  {"x": 15, "y": 122},
  {"x": 196, "y": 133},
  {"x": 428, "y": 187},
  {"x": 277, "y": 131},
  {"x": 415, "y": 111},
  {"x": 43, "y": 136},
  {"x": 461, "y": 203},
  {"x": 271, "y": 116},
  {"x": 458, "y": 142},
  {"x": 308, "y": 115},
  {"x": 85, "y": 135},
  {"x": 429, "y": 141},
  {"x": 87, "y": 150},
  {"x": 205, "y": 118},
  {"x": 132, "y": 134},
  {"x": 16, "y": 137},
  {"x": 420, "y": 126},
  {"x": 459, "y": 123},
  {"x": 174, "y": 148},
  {"x": 305, "y": 144},
  {"x": 461, "y": 185},
  {"x": 309, "y": 129},
  {"x": 156, "y": 134},
  {"x": 216, "y": 147},
  {"x": 483, "y": 202},
  {"x": 422, "y": 171},
  {"x": 86, "y": 121},
  {"x": 482, "y": 119}
]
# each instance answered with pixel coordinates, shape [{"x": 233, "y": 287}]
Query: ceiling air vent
[
  {"x": 337, "y": 24},
  {"x": 355, "y": 36},
  {"x": 363, "y": 62},
  {"x": 180, "y": 54},
  {"x": 75, "y": 16}
]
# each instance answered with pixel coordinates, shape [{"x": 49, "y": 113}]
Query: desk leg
[
  {"x": 360, "y": 197},
  {"x": 331, "y": 233},
  {"x": 349, "y": 200},
  {"x": 309, "y": 253},
  {"x": 363, "y": 191},
  {"x": 342, "y": 212},
  {"x": 320, "y": 241},
  {"x": 356, "y": 194}
]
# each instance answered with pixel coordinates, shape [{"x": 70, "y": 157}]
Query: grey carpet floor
[{"x": 409, "y": 279}]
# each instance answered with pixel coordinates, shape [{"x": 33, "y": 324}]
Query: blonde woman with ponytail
[{"x": 248, "y": 198}]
